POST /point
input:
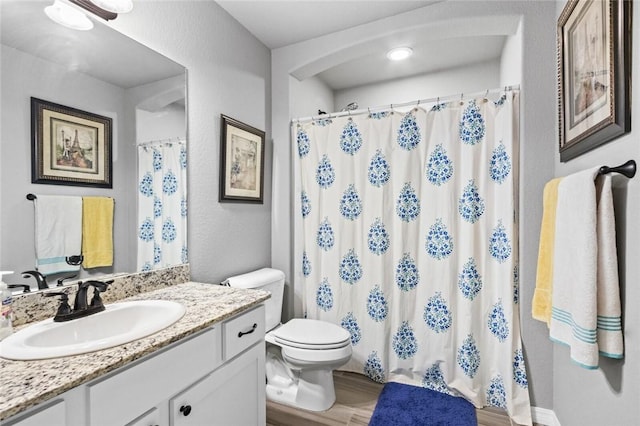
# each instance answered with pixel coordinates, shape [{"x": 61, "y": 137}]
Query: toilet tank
[{"x": 268, "y": 279}]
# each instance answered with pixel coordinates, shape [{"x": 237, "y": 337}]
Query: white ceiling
[{"x": 281, "y": 23}]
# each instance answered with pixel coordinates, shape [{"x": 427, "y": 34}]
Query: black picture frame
[
  {"x": 594, "y": 74},
  {"x": 70, "y": 146},
  {"x": 241, "y": 162}
]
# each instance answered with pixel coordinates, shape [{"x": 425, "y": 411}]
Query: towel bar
[
  {"x": 627, "y": 169},
  {"x": 32, "y": 197}
]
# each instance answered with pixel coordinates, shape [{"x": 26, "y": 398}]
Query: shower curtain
[
  {"x": 162, "y": 205},
  {"x": 408, "y": 240}
]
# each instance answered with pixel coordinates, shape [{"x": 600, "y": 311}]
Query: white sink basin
[{"x": 119, "y": 323}]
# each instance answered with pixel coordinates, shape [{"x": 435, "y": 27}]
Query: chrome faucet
[{"x": 40, "y": 279}]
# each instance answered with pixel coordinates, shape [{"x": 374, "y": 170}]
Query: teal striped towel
[{"x": 586, "y": 311}]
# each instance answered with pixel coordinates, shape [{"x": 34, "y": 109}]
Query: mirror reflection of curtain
[{"x": 162, "y": 205}]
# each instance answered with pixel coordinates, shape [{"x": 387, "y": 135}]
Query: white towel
[
  {"x": 58, "y": 232},
  {"x": 610, "y": 343},
  {"x": 586, "y": 300}
]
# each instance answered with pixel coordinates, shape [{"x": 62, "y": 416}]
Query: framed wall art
[
  {"x": 594, "y": 74},
  {"x": 241, "y": 162},
  {"x": 70, "y": 146}
]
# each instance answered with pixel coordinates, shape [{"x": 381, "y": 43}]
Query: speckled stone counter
[{"x": 27, "y": 383}]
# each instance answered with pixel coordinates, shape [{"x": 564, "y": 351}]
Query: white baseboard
[{"x": 544, "y": 416}]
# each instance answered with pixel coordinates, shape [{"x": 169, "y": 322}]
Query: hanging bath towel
[
  {"x": 586, "y": 299},
  {"x": 97, "y": 232},
  {"x": 58, "y": 232},
  {"x": 541, "y": 305}
]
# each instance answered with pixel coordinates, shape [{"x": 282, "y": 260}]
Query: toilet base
[{"x": 312, "y": 390}]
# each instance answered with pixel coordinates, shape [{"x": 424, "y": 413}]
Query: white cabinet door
[
  {"x": 233, "y": 395},
  {"x": 152, "y": 417},
  {"x": 51, "y": 415}
]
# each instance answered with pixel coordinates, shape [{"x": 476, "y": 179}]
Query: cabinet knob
[{"x": 185, "y": 410}]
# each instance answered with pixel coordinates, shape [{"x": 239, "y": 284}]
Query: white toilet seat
[
  {"x": 311, "y": 334},
  {"x": 316, "y": 358},
  {"x": 308, "y": 342}
]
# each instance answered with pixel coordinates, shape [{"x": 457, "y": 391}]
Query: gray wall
[
  {"x": 228, "y": 73},
  {"x": 609, "y": 395},
  {"x": 465, "y": 79}
]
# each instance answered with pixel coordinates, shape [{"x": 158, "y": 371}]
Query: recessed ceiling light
[
  {"x": 115, "y": 6},
  {"x": 68, "y": 16},
  {"x": 399, "y": 53}
]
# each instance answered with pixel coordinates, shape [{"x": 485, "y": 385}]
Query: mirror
[{"x": 100, "y": 71}]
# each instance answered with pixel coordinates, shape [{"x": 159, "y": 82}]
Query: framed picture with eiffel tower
[{"x": 70, "y": 146}]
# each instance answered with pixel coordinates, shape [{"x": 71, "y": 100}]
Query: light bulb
[
  {"x": 68, "y": 16},
  {"x": 399, "y": 53}
]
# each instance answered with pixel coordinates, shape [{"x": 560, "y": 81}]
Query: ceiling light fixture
[
  {"x": 399, "y": 53},
  {"x": 115, "y": 6},
  {"x": 68, "y": 16},
  {"x": 66, "y": 13}
]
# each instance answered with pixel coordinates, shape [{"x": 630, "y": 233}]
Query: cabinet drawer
[
  {"x": 243, "y": 331},
  {"x": 125, "y": 395}
]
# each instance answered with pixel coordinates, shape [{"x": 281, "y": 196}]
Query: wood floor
[{"x": 356, "y": 398}]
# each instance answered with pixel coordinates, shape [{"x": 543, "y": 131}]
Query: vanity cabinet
[
  {"x": 50, "y": 413},
  {"x": 214, "y": 377},
  {"x": 229, "y": 396}
]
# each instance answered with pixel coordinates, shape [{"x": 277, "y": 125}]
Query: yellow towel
[
  {"x": 97, "y": 231},
  {"x": 541, "y": 305}
]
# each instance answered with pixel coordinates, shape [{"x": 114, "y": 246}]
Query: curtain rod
[
  {"x": 176, "y": 139},
  {"x": 405, "y": 104}
]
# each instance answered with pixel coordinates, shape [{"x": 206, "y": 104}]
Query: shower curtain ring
[{"x": 461, "y": 97}]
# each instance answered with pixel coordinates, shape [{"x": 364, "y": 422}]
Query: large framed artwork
[
  {"x": 70, "y": 146},
  {"x": 594, "y": 74},
  {"x": 241, "y": 162}
]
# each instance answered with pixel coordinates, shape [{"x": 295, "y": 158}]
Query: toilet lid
[{"x": 311, "y": 334}]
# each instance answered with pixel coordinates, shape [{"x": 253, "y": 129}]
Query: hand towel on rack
[
  {"x": 97, "y": 232},
  {"x": 541, "y": 304},
  {"x": 58, "y": 232},
  {"x": 584, "y": 286},
  {"x": 610, "y": 341}
]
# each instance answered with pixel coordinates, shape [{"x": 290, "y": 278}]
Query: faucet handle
[
  {"x": 64, "y": 309},
  {"x": 98, "y": 285},
  {"x": 61, "y": 280},
  {"x": 25, "y": 288}
]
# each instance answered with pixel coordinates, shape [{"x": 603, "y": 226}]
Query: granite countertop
[{"x": 27, "y": 383}]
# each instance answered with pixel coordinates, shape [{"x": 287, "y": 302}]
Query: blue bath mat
[{"x": 405, "y": 405}]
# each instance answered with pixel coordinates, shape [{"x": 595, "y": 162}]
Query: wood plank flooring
[{"x": 356, "y": 398}]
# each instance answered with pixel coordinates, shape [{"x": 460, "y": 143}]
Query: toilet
[{"x": 302, "y": 353}]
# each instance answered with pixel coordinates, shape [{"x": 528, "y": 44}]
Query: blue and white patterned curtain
[
  {"x": 409, "y": 241},
  {"x": 162, "y": 205}
]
